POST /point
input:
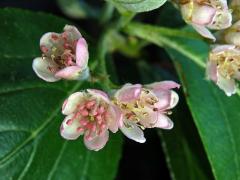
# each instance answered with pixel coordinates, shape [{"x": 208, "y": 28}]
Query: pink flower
[
  {"x": 232, "y": 35},
  {"x": 223, "y": 67},
  {"x": 90, "y": 113},
  {"x": 64, "y": 56},
  {"x": 204, "y": 14},
  {"x": 146, "y": 107}
]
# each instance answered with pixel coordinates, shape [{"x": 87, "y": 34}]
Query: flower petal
[
  {"x": 47, "y": 42},
  {"x": 82, "y": 53},
  {"x": 69, "y": 128},
  {"x": 203, "y": 15},
  {"x": 115, "y": 118},
  {"x": 41, "y": 68},
  {"x": 99, "y": 94},
  {"x": 129, "y": 92},
  {"x": 222, "y": 48},
  {"x": 212, "y": 71},
  {"x": 97, "y": 142},
  {"x": 162, "y": 121},
  {"x": 163, "y": 85},
  {"x": 70, "y": 104},
  {"x": 70, "y": 72},
  {"x": 164, "y": 99},
  {"x": 227, "y": 85},
  {"x": 221, "y": 20},
  {"x": 204, "y": 31},
  {"x": 174, "y": 99},
  {"x": 132, "y": 131},
  {"x": 72, "y": 32}
]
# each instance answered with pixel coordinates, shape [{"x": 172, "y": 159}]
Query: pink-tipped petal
[
  {"x": 69, "y": 128},
  {"x": 115, "y": 118},
  {"x": 71, "y": 73},
  {"x": 82, "y": 54},
  {"x": 99, "y": 94},
  {"x": 203, "y": 15},
  {"x": 132, "y": 131},
  {"x": 97, "y": 142},
  {"x": 129, "y": 92},
  {"x": 204, "y": 31},
  {"x": 227, "y": 85},
  {"x": 41, "y": 68},
  {"x": 72, "y": 102},
  {"x": 212, "y": 71},
  {"x": 163, "y": 85},
  {"x": 164, "y": 99}
]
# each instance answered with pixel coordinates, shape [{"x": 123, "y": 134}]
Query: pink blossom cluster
[
  {"x": 92, "y": 113},
  {"x": 131, "y": 109}
]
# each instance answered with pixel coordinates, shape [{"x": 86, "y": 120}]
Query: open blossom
[
  {"x": 232, "y": 35},
  {"x": 204, "y": 14},
  {"x": 90, "y": 113},
  {"x": 146, "y": 107},
  {"x": 223, "y": 67},
  {"x": 64, "y": 56}
]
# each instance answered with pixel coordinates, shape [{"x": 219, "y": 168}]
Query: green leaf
[
  {"x": 216, "y": 116},
  {"x": 182, "y": 143},
  {"x": 31, "y": 146},
  {"x": 137, "y": 5}
]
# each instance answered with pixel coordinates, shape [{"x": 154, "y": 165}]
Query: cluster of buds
[
  {"x": 223, "y": 65},
  {"x": 131, "y": 109},
  {"x": 92, "y": 113},
  {"x": 206, "y": 14}
]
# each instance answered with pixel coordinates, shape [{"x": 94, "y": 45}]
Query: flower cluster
[
  {"x": 131, "y": 109},
  {"x": 223, "y": 65},
  {"x": 206, "y": 14},
  {"x": 92, "y": 113}
]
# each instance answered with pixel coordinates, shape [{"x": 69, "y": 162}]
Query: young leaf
[
  {"x": 216, "y": 116},
  {"x": 31, "y": 146}
]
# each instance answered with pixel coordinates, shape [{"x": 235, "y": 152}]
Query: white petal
[
  {"x": 174, "y": 99},
  {"x": 71, "y": 103},
  {"x": 97, "y": 142},
  {"x": 133, "y": 132},
  {"x": 41, "y": 68},
  {"x": 203, "y": 15},
  {"x": 227, "y": 85},
  {"x": 221, "y": 20},
  {"x": 204, "y": 32},
  {"x": 163, "y": 122},
  {"x": 99, "y": 94},
  {"x": 69, "y": 130},
  {"x": 72, "y": 32}
]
